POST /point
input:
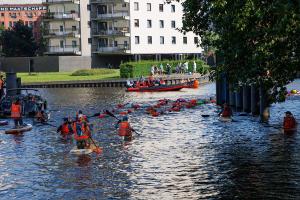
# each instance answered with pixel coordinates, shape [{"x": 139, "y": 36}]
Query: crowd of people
[
  {"x": 82, "y": 130},
  {"x": 180, "y": 68}
]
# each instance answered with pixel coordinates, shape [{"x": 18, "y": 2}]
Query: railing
[
  {"x": 64, "y": 49},
  {"x": 109, "y": 1},
  {"x": 113, "y": 49},
  {"x": 65, "y": 32},
  {"x": 61, "y": 15},
  {"x": 117, "y": 31},
  {"x": 116, "y": 14},
  {"x": 60, "y": 1}
]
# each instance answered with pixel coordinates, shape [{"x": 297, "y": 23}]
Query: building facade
[
  {"x": 30, "y": 14},
  {"x": 112, "y": 31},
  {"x": 66, "y": 27}
]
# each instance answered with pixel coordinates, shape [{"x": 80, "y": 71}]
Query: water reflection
[{"x": 177, "y": 156}]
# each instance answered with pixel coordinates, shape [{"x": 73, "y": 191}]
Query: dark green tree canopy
[
  {"x": 258, "y": 40},
  {"x": 18, "y": 41}
]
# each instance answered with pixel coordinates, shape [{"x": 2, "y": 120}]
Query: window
[
  {"x": 88, "y": 7},
  {"x": 2, "y": 14},
  {"x": 90, "y": 40},
  {"x": 196, "y": 40},
  {"x": 184, "y": 40},
  {"x": 173, "y": 40},
  {"x": 61, "y": 28},
  {"x": 148, "y": 6},
  {"x": 149, "y": 23},
  {"x": 74, "y": 43},
  {"x": 162, "y": 40},
  {"x": 115, "y": 43},
  {"x": 74, "y": 28},
  {"x": 124, "y": 5},
  {"x": 137, "y": 39},
  {"x": 161, "y": 7},
  {"x": 173, "y": 24},
  {"x": 161, "y": 24},
  {"x": 173, "y": 8},
  {"x": 61, "y": 43},
  {"x": 149, "y": 39},
  {"x": 2, "y": 23},
  {"x": 136, "y": 23},
  {"x": 136, "y": 6},
  {"x": 125, "y": 44},
  {"x": 10, "y": 24}
]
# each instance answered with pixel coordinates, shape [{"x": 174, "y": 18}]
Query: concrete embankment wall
[{"x": 45, "y": 63}]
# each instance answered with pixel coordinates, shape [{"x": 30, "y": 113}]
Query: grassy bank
[{"x": 80, "y": 75}]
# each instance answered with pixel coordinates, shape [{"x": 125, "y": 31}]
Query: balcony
[
  {"x": 111, "y": 49},
  {"x": 117, "y": 32},
  {"x": 61, "y": 16},
  {"x": 114, "y": 15},
  {"x": 68, "y": 49},
  {"x": 53, "y": 33},
  {"x": 60, "y": 1}
]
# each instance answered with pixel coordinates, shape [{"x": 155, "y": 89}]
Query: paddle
[
  {"x": 98, "y": 150},
  {"x": 112, "y": 115}
]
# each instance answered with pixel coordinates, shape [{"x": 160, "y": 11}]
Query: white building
[
  {"x": 137, "y": 29},
  {"x": 111, "y": 31}
]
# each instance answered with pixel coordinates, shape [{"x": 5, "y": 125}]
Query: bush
[
  {"x": 93, "y": 72},
  {"x": 143, "y": 68}
]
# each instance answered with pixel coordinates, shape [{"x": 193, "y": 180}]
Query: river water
[{"x": 177, "y": 156}]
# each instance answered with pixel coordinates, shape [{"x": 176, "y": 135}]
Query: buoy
[
  {"x": 294, "y": 91},
  {"x": 196, "y": 84}
]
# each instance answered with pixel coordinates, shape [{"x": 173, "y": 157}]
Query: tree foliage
[
  {"x": 258, "y": 40},
  {"x": 18, "y": 41}
]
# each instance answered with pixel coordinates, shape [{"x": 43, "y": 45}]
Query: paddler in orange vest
[
  {"x": 125, "y": 129},
  {"x": 226, "y": 112},
  {"x": 81, "y": 134},
  {"x": 16, "y": 113},
  {"x": 289, "y": 121},
  {"x": 66, "y": 128}
]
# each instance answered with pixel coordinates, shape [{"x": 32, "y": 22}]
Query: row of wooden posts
[{"x": 249, "y": 99}]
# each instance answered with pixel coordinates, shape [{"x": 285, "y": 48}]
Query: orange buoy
[{"x": 196, "y": 84}]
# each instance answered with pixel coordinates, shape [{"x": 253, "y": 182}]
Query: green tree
[
  {"x": 258, "y": 41},
  {"x": 18, "y": 41}
]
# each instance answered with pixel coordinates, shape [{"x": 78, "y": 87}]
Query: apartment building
[
  {"x": 67, "y": 27},
  {"x": 133, "y": 29}
]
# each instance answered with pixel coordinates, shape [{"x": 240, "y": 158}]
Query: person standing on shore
[{"x": 194, "y": 67}]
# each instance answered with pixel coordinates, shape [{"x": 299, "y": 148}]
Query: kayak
[
  {"x": 161, "y": 88},
  {"x": 81, "y": 151},
  {"x": 28, "y": 127},
  {"x": 225, "y": 119},
  {"x": 3, "y": 123},
  {"x": 92, "y": 148},
  {"x": 289, "y": 131}
]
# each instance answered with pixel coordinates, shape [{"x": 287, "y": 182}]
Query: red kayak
[{"x": 161, "y": 88}]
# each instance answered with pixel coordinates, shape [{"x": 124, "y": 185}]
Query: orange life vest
[
  {"x": 1, "y": 84},
  {"x": 289, "y": 123},
  {"x": 124, "y": 129},
  {"x": 84, "y": 134},
  {"x": 65, "y": 129},
  {"x": 226, "y": 112},
  {"x": 15, "y": 111}
]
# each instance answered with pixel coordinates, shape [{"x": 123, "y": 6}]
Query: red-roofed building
[{"x": 30, "y": 14}]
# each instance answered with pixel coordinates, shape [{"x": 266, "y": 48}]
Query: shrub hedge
[{"x": 143, "y": 68}]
